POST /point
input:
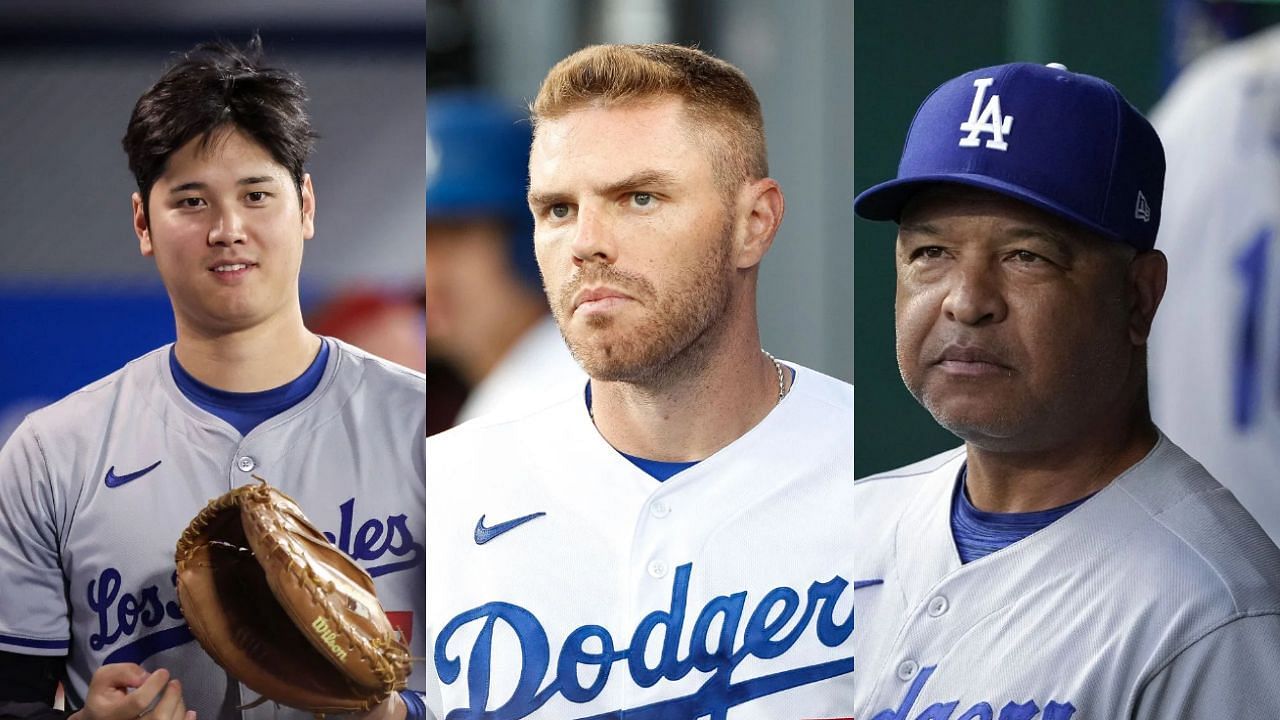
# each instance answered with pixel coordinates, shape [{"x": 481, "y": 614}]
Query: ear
[
  {"x": 763, "y": 205},
  {"x": 1148, "y": 275},
  {"x": 140, "y": 226},
  {"x": 308, "y": 208}
]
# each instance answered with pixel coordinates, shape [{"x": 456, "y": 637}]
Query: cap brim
[{"x": 887, "y": 200}]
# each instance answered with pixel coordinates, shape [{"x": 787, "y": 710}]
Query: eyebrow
[
  {"x": 253, "y": 180},
  {"x": 656, "y": 179},
  {"x": 1056, "y": 239}
]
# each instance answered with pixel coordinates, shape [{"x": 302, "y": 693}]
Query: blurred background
[
  {"x": 903, "y": 50},
  {"x": 798, "y": 56},
  {"x": 77, "y": 300}
]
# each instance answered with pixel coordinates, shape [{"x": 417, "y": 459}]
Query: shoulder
[
  {"x": 947, "y": 461},
  {"x": 1215, "y": 551},
  {"x": 819, "y": 391},
  {"x": 101, "y": 397},
  {"x": 531, "y": 427},
  {"x": 887, "y": 493},
  {"x": 377, "y": 370}
]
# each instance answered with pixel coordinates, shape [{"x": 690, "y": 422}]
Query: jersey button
[
  {"x": 938, "y": 606},
  {"x": 658, "y": 569},
  {"x": 907, "y": 670},
  {"x": 659, "y": 509},
  {"x": 245, "y": 463}
]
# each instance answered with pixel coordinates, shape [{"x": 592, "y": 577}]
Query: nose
[
  {"x": 228, "y": 229},
  {"x": 975, "y": 297},
  {"x": 593, "y": 239}
]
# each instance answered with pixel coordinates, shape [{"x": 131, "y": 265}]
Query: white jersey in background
[
  {"x": 1157, "y": 598},
  {"x": 1215, "y": 345},
  {"x": 96, "y": 489},
  {"x": 535, "y": 371},
  {"x": 564, "y": 582}
]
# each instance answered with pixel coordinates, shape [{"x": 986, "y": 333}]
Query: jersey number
[{"x": 1251, "y": 264}]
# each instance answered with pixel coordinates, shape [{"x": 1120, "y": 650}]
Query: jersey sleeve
[
  {"x": 33, "y": 615},
  {"x": 1230, "y": 672}
]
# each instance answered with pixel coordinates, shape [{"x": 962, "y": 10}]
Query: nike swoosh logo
[
  {"x": 485, "y": 534},
  {"x": 114, "y": 480}
]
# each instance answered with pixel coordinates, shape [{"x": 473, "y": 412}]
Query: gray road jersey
[
  {"x": 96, "y": 488},
  {"x": 1157, "y": 598}
]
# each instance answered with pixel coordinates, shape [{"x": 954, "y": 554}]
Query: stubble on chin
[{"x": 657, "y": 335}]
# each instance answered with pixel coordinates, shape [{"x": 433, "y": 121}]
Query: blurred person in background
[
  {"x": 1215, "y": 347},
  {"x": 486, "y": 313}
]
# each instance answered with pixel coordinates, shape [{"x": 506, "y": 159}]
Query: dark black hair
[{"x": 213, "y": 86}]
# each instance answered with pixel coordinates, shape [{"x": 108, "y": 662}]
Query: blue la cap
[
  {"x": 1064, "y": 142},
  {"x": 477, "y": 156},
  {"x": 478, "y": 167}
]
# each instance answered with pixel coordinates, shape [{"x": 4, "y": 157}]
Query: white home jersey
[
  {"x": 96, "y": 488},
  {"x": 1157, "y": 598},
  {"x": 564, "y": 582},
  {"x": 1215, "y": 345}
]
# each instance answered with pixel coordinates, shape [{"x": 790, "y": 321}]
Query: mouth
[
  {"x": 972, "y": 361},
  {"x": 599, "y": 299},
  {"x": 231, "y": 270}
]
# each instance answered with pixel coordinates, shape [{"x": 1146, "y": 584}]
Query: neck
[
  {"x": 252, "y": 359},
  {"x": 1048, "y": 478},
  {"x": 707, "y": 398}
]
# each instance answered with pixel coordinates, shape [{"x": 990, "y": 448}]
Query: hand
[
  {"x": 109, "y": 696},
  {"x": 393, "y": 708}
]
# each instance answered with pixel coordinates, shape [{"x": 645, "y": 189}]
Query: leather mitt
[{"x": 284, "y": 611}]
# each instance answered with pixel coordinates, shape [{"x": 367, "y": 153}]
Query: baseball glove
[{"x": 284, "y": 611}]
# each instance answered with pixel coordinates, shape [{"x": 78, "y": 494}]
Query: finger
[
  {"x": 119, "y": 676},
  {"x": 179, "y": 711},
  {"x": 191, "y": 715},
  {"x": 145, "y": 695},
  {"x": 169, "y": 701}
]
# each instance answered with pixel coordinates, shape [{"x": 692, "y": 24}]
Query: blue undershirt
[
  {"x": 978, "y": 533},
  {"x": 656, "y": 469},
  {"x": 245, "y": 411}
]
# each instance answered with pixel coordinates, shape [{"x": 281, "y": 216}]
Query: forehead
[
  {"x": 601, "y": 143},
  {"x": 227, "y": 149}
]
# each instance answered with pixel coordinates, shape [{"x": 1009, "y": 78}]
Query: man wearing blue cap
[
  {"x": 1068, "y": 561},
  {"x": 486, "y": 313}
]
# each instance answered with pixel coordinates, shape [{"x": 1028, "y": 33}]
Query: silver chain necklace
[{"x": 782, "y": 385}]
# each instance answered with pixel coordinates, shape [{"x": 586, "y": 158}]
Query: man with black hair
[{"x": 96, "y": 488}]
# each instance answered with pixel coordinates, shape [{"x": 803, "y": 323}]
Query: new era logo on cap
[
  {"x": 1142, "y": 210},
  {"x": 1078, "y": 149}
]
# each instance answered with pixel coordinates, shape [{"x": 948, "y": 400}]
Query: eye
[
  {"x": 642, "y": 199},
  {"x": 1026, "y": 256},
  {"x": 930, "y": 252},
  {"x": 191, "y": 202},
  {"x": 560, "y": 211},
  {"x": 256, "y": 196}
]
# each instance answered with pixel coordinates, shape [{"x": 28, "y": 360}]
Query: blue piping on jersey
[{"x": 35, "y": 644}]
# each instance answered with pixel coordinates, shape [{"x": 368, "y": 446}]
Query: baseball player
[
  {"x": 96, "y": 488},
  {"x": 1215, "y": 349},
  {"x": 487, "y": 315},
  {"x": 1069, "y": 561},
  {"x": 669, "y": 540}
]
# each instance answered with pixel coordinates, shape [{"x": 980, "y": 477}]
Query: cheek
[{"x": 914, "y": 313}]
